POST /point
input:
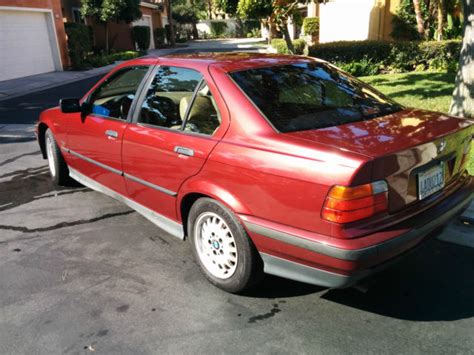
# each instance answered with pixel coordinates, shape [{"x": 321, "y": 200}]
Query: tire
[
  {"x": 57, "y": 165},
  {"x": 216, "y": 235}
]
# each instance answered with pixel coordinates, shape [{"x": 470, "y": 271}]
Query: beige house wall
[{"x": 356, "y": 20}]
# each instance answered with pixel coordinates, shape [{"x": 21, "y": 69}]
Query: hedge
[
  {"x": 79, "y": 43},
  {"x": 280, "y": 45},
  {"x": 160, "y": 36},
  {"x": 101, "y": 60},
  {"x": 392, "y": 56},
  {"x": 218, "y": 28},
  {"x": 141, "y": 36}
]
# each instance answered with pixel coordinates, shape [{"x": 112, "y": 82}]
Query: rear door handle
[
  {"x": 184, "y": 151},
  {"x": 110, "y": 133}
]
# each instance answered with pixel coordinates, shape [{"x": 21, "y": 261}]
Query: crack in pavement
[
  {"x": 61, "y": 193},
  {"x": 62, "y": 224},
  {"x": 11, "y": 160}
]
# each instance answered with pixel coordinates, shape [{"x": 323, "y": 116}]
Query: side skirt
[{"x": 168, "y": 225}]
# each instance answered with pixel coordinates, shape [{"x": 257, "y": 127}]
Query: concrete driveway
[{"x": 81, "y": 273}]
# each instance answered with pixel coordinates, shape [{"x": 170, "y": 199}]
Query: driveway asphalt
[{"x": 81, "y": 273}]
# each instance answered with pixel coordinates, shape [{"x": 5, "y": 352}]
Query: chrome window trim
[
  {"x": 170, "y": 226},
  {"x": 121, "y": 173}
]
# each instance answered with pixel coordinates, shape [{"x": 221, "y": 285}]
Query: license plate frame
[{"x": 430, "y": 181}]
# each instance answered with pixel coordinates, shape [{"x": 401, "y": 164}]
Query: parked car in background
[{"x": 266, "y": 163}]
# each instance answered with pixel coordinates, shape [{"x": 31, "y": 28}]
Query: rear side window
[
  {"x": 168, "y": 97},
  {"x": 311, "y": 95}
]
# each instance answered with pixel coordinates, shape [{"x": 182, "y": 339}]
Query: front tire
[
  {"x": 57, "y": 165},
  {"x": 222, "y": 248}
]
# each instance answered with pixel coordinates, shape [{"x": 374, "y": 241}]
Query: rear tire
[
  {"x": 222, "y": 248},
  {"x": 57, "y": 165}
]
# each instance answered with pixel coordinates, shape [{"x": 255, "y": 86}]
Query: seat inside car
[{"x": 203, "y": 117}]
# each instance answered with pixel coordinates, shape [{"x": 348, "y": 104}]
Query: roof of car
[{"x": 234, "y": 61}]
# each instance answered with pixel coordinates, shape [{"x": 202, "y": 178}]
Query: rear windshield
[{"x": 311, "y": 95}]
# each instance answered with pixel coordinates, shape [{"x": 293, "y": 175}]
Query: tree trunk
[
  {"x": 463, "y": 95},
  {"x": 170, "y": 20},
  {"x": 441, "y": 19},
  {"x": 106, "y": 30},
  {"x": 271, "y": 30},
  {"x": 286, "y": 36},
  {"x": 195, "y": 31},
  {"x": 420, "y": 23},
  {"x": 239, "y": 28}
]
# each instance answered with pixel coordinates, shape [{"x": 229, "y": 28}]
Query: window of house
[{"x": 76, "y": 15}]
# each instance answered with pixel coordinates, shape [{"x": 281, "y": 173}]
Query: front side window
[
  {"x": 115, "y": 95},
  {"x": 168, "y": 97},
  {"x": 312, "y": 95}
]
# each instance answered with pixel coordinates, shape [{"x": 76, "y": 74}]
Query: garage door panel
[{"x": 25, "y": 44}]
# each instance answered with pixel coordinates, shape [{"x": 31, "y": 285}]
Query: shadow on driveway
[{"x": 436, "y": 283}]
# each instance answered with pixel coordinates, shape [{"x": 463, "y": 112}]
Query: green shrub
[
  {"x": 255, "y": 33},
  {"x": 141, "y": 37},
  {"x": 160, "y": 36},
  {"x": 218, "y": 28},
  {"x": 79, "y": 43},
  {"x": 280, "y": 45},
  {"x": 103, "y": 59},
  {"x": 348, "y": 51},
  {"x": 401, "y": 56},
  {"x": 250, "y": 27},
  {"x": 311, "y": 26},
  {"x": 364, "y": 67}
]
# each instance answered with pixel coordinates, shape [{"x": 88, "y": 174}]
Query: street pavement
[{"x": 82, "y": 273}]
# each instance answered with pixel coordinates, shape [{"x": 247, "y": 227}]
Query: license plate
[{"x": 430, "y": 181}]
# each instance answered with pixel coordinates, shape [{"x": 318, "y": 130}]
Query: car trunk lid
[{"x": 401, "y": 147}]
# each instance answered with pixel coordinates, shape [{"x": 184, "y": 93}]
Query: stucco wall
[{"x": 353, "y": 20}]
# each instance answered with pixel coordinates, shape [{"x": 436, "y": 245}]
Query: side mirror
[{"x": 70, "y": 105}]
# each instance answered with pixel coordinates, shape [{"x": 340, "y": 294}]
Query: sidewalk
[{"x": 17, "y": 87}]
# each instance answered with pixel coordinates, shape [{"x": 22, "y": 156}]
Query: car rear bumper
[{"x": 309, "y": 260}]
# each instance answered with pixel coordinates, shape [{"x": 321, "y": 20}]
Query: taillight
[{"x": 348, "y": 204}]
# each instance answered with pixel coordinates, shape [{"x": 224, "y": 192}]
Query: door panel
[
  {"x": 160, "y": 150},
  {"x": 149, "y": 154},
  {"x": 95, "y": 140},
  {"x": 96, "y": 154}
]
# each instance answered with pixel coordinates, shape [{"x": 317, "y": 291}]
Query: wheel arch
[
  {"x": 198, "y": 189},
  {"x": 42, "y": 128}
]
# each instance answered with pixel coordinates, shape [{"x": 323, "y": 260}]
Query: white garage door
[
  {"x": 146, "y": 21},
  {"x": 26, "y": 40}
]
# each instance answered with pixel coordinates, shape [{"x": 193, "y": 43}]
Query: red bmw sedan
[{"x": 266, "y": 163}]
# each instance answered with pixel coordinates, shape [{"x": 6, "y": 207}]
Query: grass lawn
[{"x": 426, "y": 90}]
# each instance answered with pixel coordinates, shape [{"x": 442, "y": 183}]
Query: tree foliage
[
  {"x": 106, "y": 11},
  {"x": 228, "y": 6},
  {"x": 427, "y": 19},
  {"x": 112, "y": 10}
]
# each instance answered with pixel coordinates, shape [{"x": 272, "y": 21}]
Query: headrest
[{"x": 183, "y": 106}]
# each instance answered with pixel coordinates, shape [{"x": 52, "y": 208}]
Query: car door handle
[
  {"x": 184, "y": 151},
  {"x": 110, "y": 133}
]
